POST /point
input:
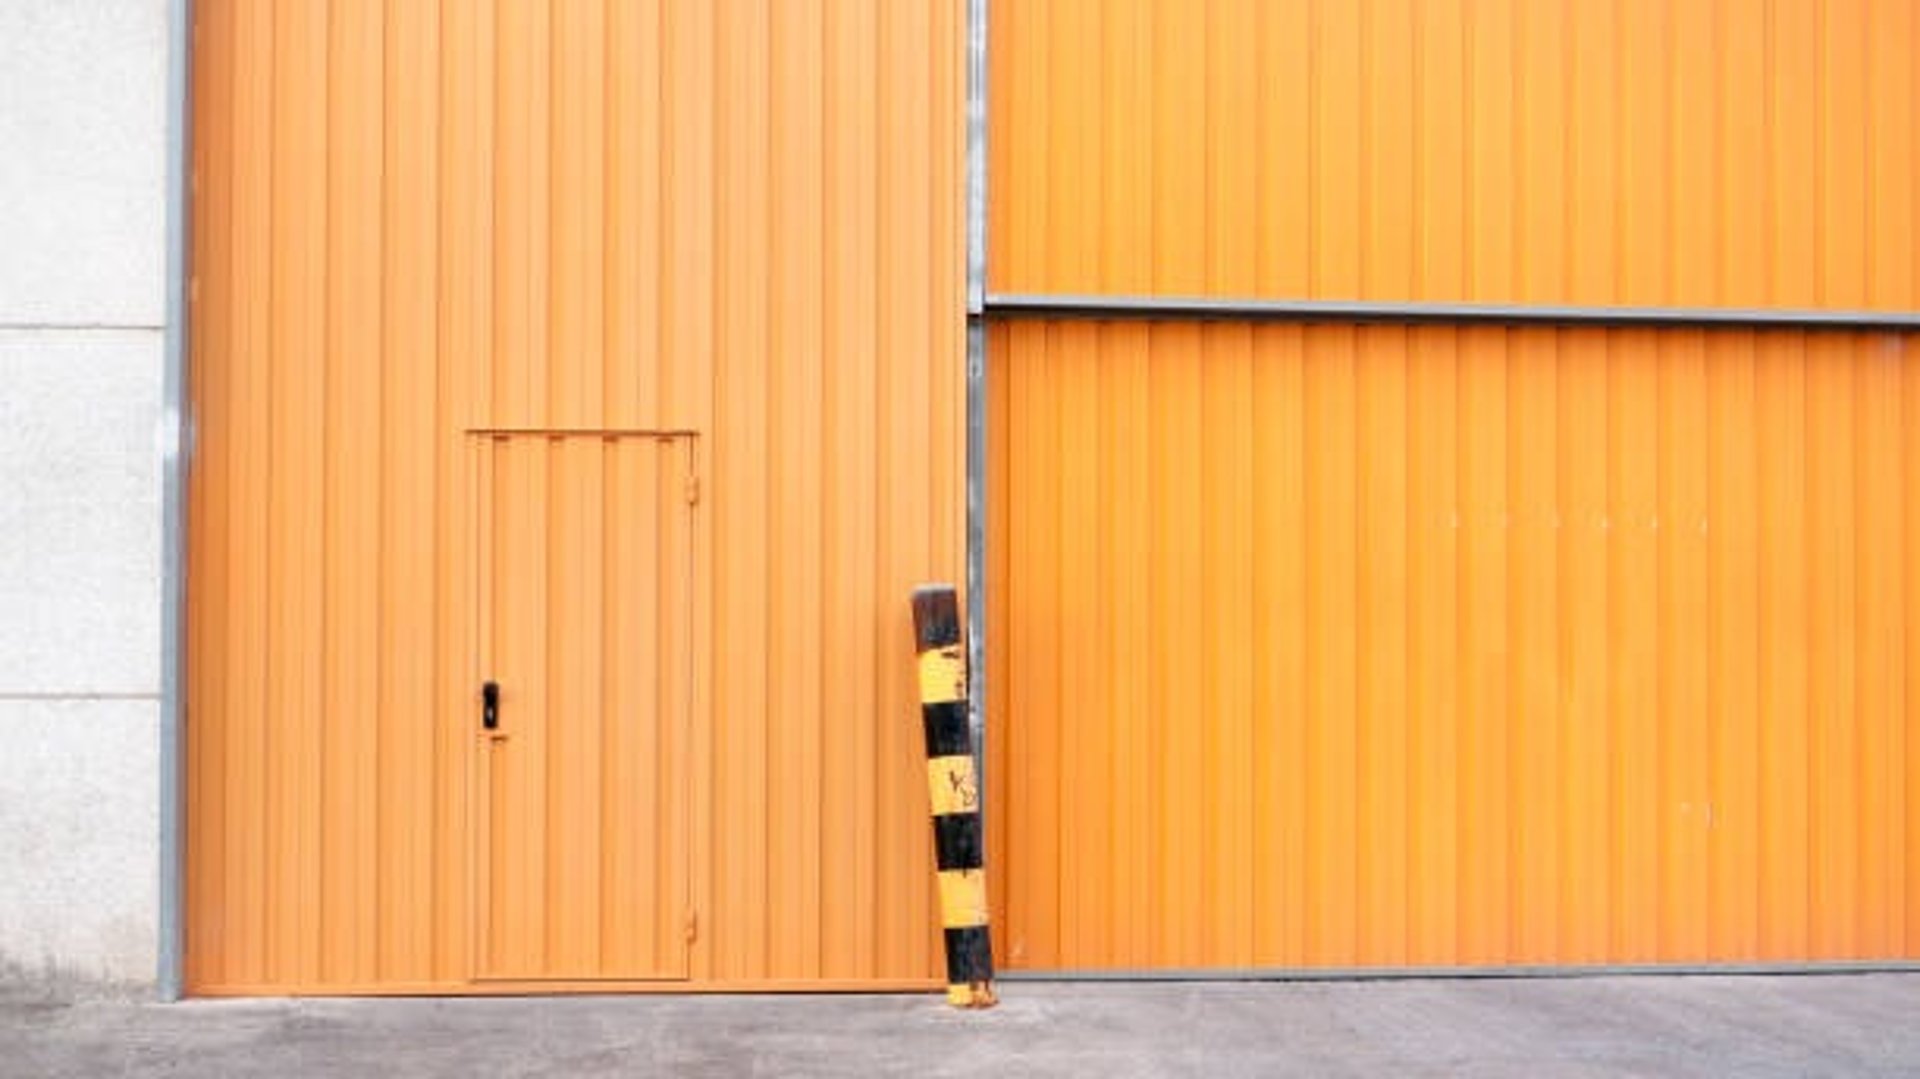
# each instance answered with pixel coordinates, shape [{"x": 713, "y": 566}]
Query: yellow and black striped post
[{"x": 959, "y": 849}]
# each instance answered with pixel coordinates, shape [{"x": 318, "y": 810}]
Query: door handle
[{"x": 490, "y": 706}]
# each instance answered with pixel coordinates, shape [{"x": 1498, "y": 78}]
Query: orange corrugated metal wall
[
  {"x": 1589, "y": 152},
  {"x": 1335, "y": 645},
  {"x": 740, "y": 221}
]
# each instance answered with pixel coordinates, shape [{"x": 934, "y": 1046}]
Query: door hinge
[
  {"x": 693, "y": 490},
  {"x": 693, "y": 926}
]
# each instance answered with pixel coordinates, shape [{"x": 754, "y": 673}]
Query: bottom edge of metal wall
[{"x": 1597, "y": 970}]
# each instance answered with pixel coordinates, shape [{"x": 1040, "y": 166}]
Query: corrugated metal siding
[
  {"x": 1338, "y": 646},
  {"x": 1631, "y": 152},
  {"x": 741, "y": 219}
]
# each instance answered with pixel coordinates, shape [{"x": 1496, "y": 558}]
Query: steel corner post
[
  {"x": 176, "y": 441},
  {"x": 954, "y": 790}
]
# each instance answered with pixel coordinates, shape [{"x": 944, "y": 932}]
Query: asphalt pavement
[{"x": 1747, "y": 1025}]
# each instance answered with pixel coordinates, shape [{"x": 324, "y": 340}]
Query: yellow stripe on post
[
  {"x": 952, "y": 785},
  {"x": 963, "y": 898},
  {"x": 943, "y": 675}
]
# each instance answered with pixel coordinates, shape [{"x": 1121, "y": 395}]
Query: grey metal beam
[
  {"x": 976, "y": 451},
  {"x": 1343, "y": 974},
  {"x": 976, "y": 161},
  {"x": 1019, "y": 305},
  {"x": 175, "y": 438}
]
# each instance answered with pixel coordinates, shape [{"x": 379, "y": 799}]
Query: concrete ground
[{"x": 1840, "y": 1025}]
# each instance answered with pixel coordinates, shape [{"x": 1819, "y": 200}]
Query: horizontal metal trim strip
[
  {"x": 1599, "y": 970},
  {"x": 1006, "y": 305}
]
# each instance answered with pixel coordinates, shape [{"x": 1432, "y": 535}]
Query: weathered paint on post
[{"x": 954, "y": 793}]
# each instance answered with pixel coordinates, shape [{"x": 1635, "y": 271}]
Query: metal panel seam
[{"x": 1199, "y": 308}]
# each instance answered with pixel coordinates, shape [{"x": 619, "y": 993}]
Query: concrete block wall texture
[
  {"x": 83, "y": 125},
  {"x": 82, "y": 182}
]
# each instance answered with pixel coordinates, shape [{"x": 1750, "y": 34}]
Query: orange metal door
[
  {"x": 582, "y": 811},
  {"x": 1349, "y": 646}
]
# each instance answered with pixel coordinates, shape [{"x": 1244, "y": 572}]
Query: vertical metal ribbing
[{"x": 954, "y": 791}]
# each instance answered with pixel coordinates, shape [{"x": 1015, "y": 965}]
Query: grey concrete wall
[{"x": 83, "y": 126}]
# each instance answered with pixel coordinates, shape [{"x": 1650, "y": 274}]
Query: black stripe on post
[
  {"x": 956, "y": 842},
  {"x": 936, "y": 617},
  {"x": 948, "y": 734},
  {"x": 969, "y": 955},
  {"x": 959, "y": 853}
]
